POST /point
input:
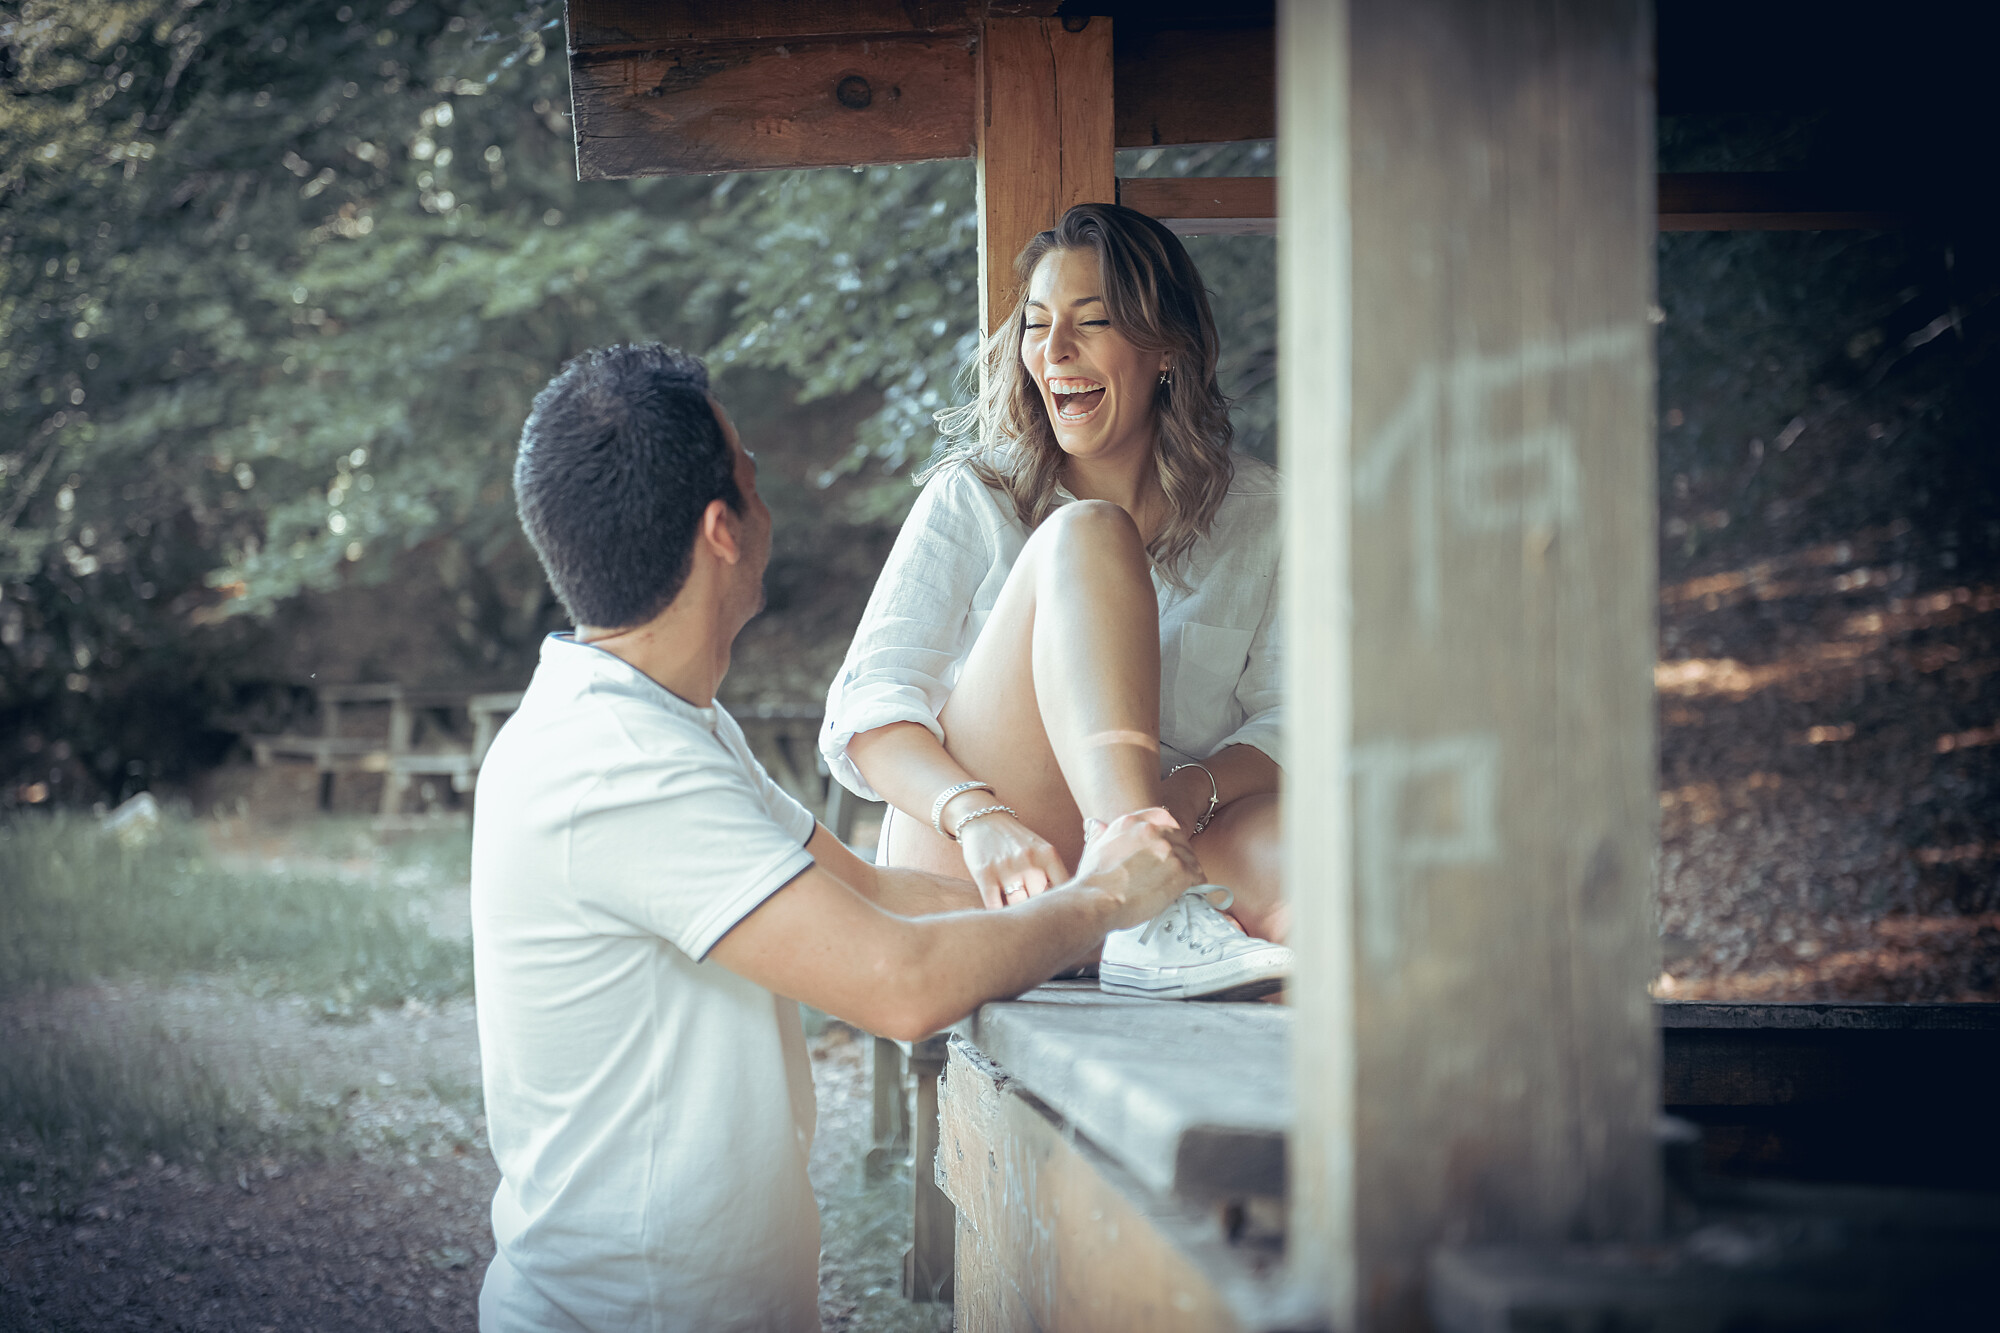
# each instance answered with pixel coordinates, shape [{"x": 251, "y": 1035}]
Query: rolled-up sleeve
[
  {"x": 914, "y": 627},
  {"x": 1260, "y": 689}
]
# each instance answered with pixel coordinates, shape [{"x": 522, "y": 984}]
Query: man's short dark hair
[{"x": 619, "y": 458}]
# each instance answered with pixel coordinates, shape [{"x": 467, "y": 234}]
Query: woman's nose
[{"x": 1061, "y": 346}]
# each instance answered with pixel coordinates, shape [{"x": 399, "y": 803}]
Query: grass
[
  {"x": 76, "y": 905},
  {"x": 77, "y": 1106}
]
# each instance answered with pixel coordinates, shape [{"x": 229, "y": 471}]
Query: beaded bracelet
[
  {"x": 1214, "y": 795},
  {"x": 937, "y": 806},
  {"x": 982, "y": 810}
]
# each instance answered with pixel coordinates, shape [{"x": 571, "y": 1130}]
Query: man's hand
[{"x": 1141, "y": 862}]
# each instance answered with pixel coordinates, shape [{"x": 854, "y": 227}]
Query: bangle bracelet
[
  {"x": 937, "y": 806},
  {"x": 982, "y": 810},
  {"x": 1214, "y": 795}
]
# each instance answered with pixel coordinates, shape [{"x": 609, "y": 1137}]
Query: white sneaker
[{"x": 1192, "y": 951}]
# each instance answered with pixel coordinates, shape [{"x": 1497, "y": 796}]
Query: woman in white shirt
[{"x": 1080, "y": 617}]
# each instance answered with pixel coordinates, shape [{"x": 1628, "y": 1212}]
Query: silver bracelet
[
  {"x": 1214, "y": 794},
  {"x": 937, "y": 806},
  {"x": 959, "y": 827}
]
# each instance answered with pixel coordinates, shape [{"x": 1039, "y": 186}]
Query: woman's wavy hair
[{"x": 1153, "y": 295}]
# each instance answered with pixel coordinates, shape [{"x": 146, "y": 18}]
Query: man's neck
[{"x": 684, "y": 648}]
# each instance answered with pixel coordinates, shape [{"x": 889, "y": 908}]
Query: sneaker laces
[{"x": 1190, "y": 921}]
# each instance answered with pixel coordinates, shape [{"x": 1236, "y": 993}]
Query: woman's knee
[{"x": 1090, "y": 531}]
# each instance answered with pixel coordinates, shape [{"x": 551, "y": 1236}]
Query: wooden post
[
  {"x": 1044, "y": 138},
  {"x": 1466, "y": 270},
  {"x": 402, "y": 725},
  {"x": 927, "y": 1266}
]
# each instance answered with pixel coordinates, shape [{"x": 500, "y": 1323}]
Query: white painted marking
[
  {"x": 1458, "y": 468},
  {"x": 1389, "y": 855}
]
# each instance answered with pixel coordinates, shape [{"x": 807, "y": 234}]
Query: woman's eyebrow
[{"x": 1081, "y": 300}]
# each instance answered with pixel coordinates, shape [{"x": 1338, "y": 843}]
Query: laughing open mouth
[{"x": 1076, "y": 399}]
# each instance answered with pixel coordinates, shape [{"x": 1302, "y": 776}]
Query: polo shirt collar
[{"x": 562, "y": 652}]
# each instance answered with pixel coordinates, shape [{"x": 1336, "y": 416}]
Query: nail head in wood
[{"x": 853, "y": 92}]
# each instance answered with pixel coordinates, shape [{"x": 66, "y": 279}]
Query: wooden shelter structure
[{"x": 1470, "y": 1059}]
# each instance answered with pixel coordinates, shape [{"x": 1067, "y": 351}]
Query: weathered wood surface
[
  {"x": 1910, "y": 1106},
  {"x": 1193, "y": 1100},
  {"x": 648, "y": 24},
  {"x": 1053, "y": 1236},
  {"x": 1780, "y": 201},
  {"x": 927, "y": 1267},
  {"x": 1467, "y": 415},
  {"x": 1866, "y": 1017},
  {"x": 687, "y": 88},
  {"x": 1785, "y": 1278},
  {"x": 1206, "y": 206},
  {"x": 769, "y": 105},
  {"x": 1044, "y": 139},
  {"x": 1178, "y": 86}
]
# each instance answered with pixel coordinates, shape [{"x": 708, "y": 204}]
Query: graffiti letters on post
[
  {"x": 1464, "y": 475},
  {"x": 1419, "y": 805}
]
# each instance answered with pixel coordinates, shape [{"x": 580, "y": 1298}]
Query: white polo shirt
[{"x": 651, "y": 1114}]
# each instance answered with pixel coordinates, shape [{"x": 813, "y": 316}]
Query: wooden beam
[
  {"x": 1467, "y": 406},
  {"x": 1778, "y": 201},
  {"x": 1706, "y": 201},
  {"x": 1044, "y": 140},
  {"x": 766, "y": 106},
  {"x": 1206, "y": 205},
  {"x": 682, "y": 86},
  {"x": 641, "y": 25},
  {"x": 1180, "y": 86}
]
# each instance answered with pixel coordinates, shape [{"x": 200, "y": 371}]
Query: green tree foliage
[{"x": 278, "y": 281}]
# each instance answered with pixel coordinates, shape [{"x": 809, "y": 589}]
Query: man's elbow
[{"x": 909, "y": 1002}]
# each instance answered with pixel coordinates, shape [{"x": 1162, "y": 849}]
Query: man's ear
[{"x": 719, "y": 529}]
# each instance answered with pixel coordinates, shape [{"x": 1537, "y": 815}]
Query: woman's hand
[{"x": 1009, "y": 861}]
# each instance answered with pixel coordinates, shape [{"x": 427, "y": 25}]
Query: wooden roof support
[
  {"x": 1044, "y": 138},
  {"x": 1779, "y": 201},
  {"x": 1466, "y": 415},
  {"x": 685, "y": 87},
  {"x": 1206, "y": 205}
]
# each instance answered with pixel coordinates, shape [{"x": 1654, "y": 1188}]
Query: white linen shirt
[
  {"x": 1219, "y": 649},
  {"x": 651, "y": 1113}
]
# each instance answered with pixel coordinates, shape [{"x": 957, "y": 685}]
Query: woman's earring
[{"x": 1166, "y": 378}]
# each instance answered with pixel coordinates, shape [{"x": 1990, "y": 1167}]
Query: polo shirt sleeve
[{"x": 684, "y": 846}]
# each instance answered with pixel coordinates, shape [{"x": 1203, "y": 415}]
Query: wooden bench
[
  {"x": 1881, "y": 1094},
  {"x": 393, "y": 752},
  {"x": 1123, "y": 1163}
]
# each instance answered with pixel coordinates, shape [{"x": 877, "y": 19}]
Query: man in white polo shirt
[{"x": 648, "y": 906}]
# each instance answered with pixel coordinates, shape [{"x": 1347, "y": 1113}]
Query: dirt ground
[{"x": 389, "y": 1233}]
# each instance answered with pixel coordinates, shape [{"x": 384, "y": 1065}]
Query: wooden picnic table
[{"x": 393, "y": 752}]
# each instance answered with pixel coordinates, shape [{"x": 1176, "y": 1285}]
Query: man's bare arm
[
  {"x": 820, "y": 941},
  {"x": 904, "y": 892}
]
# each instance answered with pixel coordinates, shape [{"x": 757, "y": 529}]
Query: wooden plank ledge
[
  {"x": 1054, "y": 1235},
  {"x": 1194, "y": 1100}
]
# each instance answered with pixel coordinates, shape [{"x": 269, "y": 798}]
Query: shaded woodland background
[{"x": 280, "y": 280}]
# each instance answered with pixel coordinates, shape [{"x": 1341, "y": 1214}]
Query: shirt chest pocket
[{"x": 1212, "y": 659}]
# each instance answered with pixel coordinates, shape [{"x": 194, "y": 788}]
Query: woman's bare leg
[
  {"x": 1059, "y": 702},
  {"x": 1242, "y": 848}
]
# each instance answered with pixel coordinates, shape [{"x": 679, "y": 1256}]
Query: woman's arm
[
  {"x": 909, "y": 767},
  {"x": 909, "y": 636}
]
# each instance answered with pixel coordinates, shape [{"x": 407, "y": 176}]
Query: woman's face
[{"x": 1096, "y": 386}]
